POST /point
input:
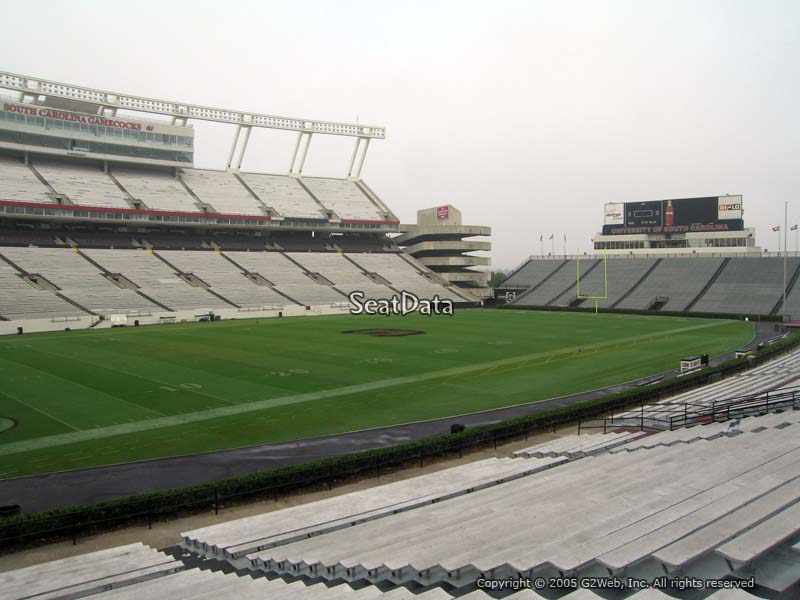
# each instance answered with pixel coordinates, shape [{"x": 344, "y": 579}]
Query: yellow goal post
[{"x": 605, "y": 282}]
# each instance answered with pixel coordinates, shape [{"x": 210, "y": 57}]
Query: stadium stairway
[{"x": 673, "y": 502}]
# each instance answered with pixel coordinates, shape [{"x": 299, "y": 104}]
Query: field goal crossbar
[{"x": 605, "y": 283}]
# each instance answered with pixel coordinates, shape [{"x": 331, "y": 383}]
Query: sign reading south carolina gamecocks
[{"x": 681, "y": 215}]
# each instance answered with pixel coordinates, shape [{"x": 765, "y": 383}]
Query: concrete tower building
[{"x": 437, "y": 240}]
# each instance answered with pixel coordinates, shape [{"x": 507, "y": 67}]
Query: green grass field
[{"x": 87, "y": 398}]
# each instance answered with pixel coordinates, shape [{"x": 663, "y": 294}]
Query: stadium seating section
[
  {"x": 706, "y": 501},
  {"x": 735, "y": 285},
  {"x": 75, "y": 273},
  {"x": 188, "y": 191}
]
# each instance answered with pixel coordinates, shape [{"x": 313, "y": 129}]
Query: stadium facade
[{"x": 97, "y": 187}]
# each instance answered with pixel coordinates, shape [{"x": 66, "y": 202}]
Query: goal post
[{"x": 605, "y": 283}]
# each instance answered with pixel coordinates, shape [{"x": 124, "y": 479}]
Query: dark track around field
[{"x": 87, "y": 486}]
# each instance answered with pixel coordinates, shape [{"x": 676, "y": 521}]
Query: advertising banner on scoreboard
[
  {"x": 682, "y": 215},
  {"x": 729, "y": 207},
  {"x": 442, "y": 212},
  {"x": 614, "y": 213}
]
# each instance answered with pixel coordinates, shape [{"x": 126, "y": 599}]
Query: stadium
[{"x": 180, "y": 348}]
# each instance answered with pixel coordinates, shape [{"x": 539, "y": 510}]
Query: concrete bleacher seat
[
  {"x": 19, "y": 183},
  {"x": 224, "y": 277},
  {"x": 155, "y": 279},
  {"x": 200, "y": 584},
  {"x": 621, "y": 273},
  {"x": 401, "y": 275},
  {"x": 344, "y": 198},
  {"x": 532, "y": 273},
  {"x": 640, "y": 513},
  {"x": 753, "y": 382},
  {"x": 85, "y": 575},
  {"x": 345, "y": 276},
  {"x": 574, "y": 446},
  {"x": 222, "y": 191},
  {"x": 287, "y": 277},
  {"x": 240, "y": 537},
  {"x": 679, "y": 279},
  {"x": 747, "y": 285},
  {"x": 21, "y": 300},
  {"x": 83, "y": 184},
  {"x": 156, "y": 189},
  {"x": 79, "y": 280},
  {"x": 284, "y": 194},
  {"x": 560, "y": 288}
]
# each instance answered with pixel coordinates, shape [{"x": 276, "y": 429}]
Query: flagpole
[
  {"x": 552, "y": 245},
  {"x": 785, "y": 253}
]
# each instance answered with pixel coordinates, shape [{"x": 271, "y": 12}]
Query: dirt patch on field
[
  {"x": 7, "y": 423},
  {"x": 386, "y": 332}
]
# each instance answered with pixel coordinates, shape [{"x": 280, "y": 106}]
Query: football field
[{"x": 86, "y": 398}]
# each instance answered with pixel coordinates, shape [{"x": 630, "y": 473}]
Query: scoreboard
[{"x": 681, "y": 215}]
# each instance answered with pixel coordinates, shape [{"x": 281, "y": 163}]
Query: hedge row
[
  {"x": 67, "y": 521},
  {"x": 636, "y": 311}
]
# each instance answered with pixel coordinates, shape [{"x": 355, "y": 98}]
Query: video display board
[{"x": 681, "y": 215}]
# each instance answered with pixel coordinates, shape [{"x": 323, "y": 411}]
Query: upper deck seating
[
  {"x": 156, "y": 189},
  {"x": 222, "y": 191},
  {"x": 19, "y": 183},
  {"x": 82, "y": 184},
  {"x": 343, "y": 197},
  {"x": 284, "y": 194}
]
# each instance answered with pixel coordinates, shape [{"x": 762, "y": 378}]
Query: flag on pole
[
  {"x": 776, "y": 228},
  {"x": 541, "y": 238},
  {"x": 551, "y": 236},
  {"x": 793, "y": 227}
]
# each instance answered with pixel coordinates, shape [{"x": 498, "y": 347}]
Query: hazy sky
[{"x": 527, "y": 116}]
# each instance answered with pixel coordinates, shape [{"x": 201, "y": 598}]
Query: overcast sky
[{"x": 527, "y": 116}]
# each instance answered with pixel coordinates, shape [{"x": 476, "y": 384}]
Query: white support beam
[
  {"x": 305, "y": 153},
  {"x": 294, "y": 154},
  {"x": 244, "y": 147},
  {"x": 363, "y": 157},
  {"x": 233, "y": 147},
  {"x": 36, "y": 87},
  {"x": 353, "y": 157}
]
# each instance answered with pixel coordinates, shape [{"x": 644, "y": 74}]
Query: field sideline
[{"x": 88, "y": 398}]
